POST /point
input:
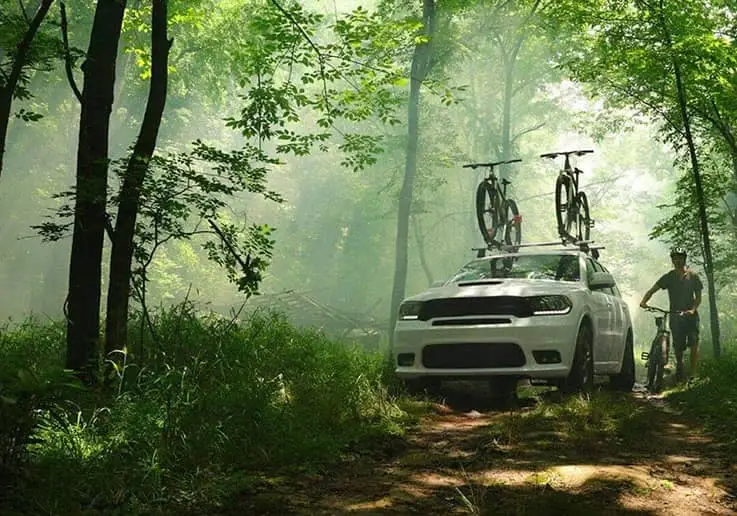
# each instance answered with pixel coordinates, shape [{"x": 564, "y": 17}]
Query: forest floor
[{"x": 543, "y": 457}]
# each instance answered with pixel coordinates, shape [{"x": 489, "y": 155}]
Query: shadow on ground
[{"x": 614, "y": 454}]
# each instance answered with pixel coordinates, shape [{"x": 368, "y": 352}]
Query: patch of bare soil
[{"x": 452, "y": 464}]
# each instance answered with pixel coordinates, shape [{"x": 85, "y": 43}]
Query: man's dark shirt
[{"x": 682, "y": 288}]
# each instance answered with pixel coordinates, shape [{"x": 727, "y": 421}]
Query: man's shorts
[{"x": 684, "y": 331}]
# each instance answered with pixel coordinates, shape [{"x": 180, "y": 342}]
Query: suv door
[
  {"x": 619, "y": 331},
  {"x": 602, "y": 309}
]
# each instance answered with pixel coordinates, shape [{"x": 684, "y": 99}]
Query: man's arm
[
  {"x": 697, "y": 296},
  {"x": 648, "y": 295}
]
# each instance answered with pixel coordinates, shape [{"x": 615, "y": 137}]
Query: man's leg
[
  {"x": 693, "y": 343},
  {"x": 678, "y": 335},
  {"x": 694, "y": 357}
]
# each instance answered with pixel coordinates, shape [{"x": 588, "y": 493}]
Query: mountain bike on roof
[
  {"x": 498, "y": 217},
  {"x": 571, "y": 203}
]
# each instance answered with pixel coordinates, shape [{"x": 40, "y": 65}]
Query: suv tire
[
  {"x": 625, "y": 380},
  {"x": 581, "y": 376}
]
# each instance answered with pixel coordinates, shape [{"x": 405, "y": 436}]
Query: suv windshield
[{"x": 555, "y": 267}]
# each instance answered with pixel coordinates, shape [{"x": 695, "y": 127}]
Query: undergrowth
[
  {"x": 187, "y": 419},
  {"x": 587, "y": 422},
  {"x": 711, "y": 398}
]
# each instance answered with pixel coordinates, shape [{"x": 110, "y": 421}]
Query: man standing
[{"x": 684, "y": 294}]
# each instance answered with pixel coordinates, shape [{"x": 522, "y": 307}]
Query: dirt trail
[{"x": 453, "y": 464}]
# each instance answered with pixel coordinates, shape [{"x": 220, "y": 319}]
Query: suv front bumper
[{"x": 534, "y": 347}]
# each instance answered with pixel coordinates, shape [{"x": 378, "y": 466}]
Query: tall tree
[
  {"x": 83, "y": 315},
  {"x": 129, "y": 196},
  {"x": 510, "y": 45},
  {"x": 20, "y": 57},
  {"x": 421, "y": 59},
  {"x": 640, "y": 53},
  {"x": 695, "y": 169}
]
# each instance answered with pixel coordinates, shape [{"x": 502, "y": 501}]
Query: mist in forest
[{"x": 335, "y": 231}]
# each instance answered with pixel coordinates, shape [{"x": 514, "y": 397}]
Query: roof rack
[{"x": 583, "y": 246}]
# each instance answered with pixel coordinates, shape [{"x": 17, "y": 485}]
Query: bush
[
  {"x": 712, "y": 397},
  {"x": 205, "y": 398}
]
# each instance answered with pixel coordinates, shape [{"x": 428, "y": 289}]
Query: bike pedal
[
  {"x": 590, "y": 224},
  {"x": 644, "y": 355}
]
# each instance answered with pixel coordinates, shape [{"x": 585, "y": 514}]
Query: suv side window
[
  {"x": 615, "y": 290},
  {"x": 600, "y": 268},
  {"x": 590, "y": 269}
]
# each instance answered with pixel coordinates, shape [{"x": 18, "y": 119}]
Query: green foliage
[
  {"x": 289, "y": 75},
  {"x": 31, "y": 381},
  {"x": 712, "y": 398},
  {"x": 682, "y": 226},
  {"x": 45, "y": 52},
  {"x": 211, "y": 399},
  {"x": 603, "y": 420}
]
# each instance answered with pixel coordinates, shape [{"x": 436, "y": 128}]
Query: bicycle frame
[
  {"x": 568, "y": 170},
  {"x": 661, "y": 324},
  {"x": 575, "y": 207},
  {"x": 492, "y": 179},
  {"x": 660, "y": 345}
]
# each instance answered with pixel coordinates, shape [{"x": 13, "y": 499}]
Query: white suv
[{"x": 552, "y": 316}]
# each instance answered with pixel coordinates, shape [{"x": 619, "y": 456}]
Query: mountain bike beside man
[{"x": 684, "y": 294}]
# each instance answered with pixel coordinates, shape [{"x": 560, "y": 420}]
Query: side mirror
[
  {"x": 601, "y": 280},
  {"x": 436, "y": 284}
]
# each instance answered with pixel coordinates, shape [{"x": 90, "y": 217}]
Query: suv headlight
[
  {"x": 410, "y": 310},
  {"x": 550, "y": 305}
]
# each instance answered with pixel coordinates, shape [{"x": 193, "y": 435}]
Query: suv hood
[{"x": 500, "y": 287}]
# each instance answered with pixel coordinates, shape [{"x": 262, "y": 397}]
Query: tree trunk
[
  {"x": 507, "y": 110},
  {"x": 19, "y": 61},
  {"x": 420, "y": 61},
  {"x": 83, "y": 325},
  {"x": 420, "y": 241},
  {"x": 708, "y": 260},
  {"x": 130, "y": 194}
]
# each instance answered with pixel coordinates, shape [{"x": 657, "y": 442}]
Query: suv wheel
[
  {"x": 581, "y": 376},
  {"x": 625, "y": 380}
]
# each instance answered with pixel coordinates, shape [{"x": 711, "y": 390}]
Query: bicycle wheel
[
  {"x": 487, "y": 211},
  {"x": 563, "y": 202},
  {"x": 513, "y": 226},
  {"x": 656, "y": 363},
  {"x": 582, "y": 218}
]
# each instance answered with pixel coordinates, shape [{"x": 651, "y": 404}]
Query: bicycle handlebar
[
  {"x": 554, "y": 155},
  {"x": 657, "y": 309},
  {"x": 491, "y": 165}
]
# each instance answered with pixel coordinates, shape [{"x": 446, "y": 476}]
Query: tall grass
[
  {"x": 712, "y": 397},
  {"x": 205, "y": 399}
]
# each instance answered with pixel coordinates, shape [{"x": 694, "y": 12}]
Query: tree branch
[
  {"x": 317, "y": 50},
  {"x": 67, "y": 53},
  {"x": 244, "y": 265},
  {"x": 528, "y": 130},
  {"x": 24, "y": 47},
  {"x": 24, "y": 12},
  {"x": 647, "y": 104}
]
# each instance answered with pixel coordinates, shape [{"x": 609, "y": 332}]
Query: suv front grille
[
  {"x": 472, "y": 355},
  {"x": 460, "y": 306}
]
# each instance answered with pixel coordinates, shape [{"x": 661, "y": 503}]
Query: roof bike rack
[{"x": 583, "y": 245}]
